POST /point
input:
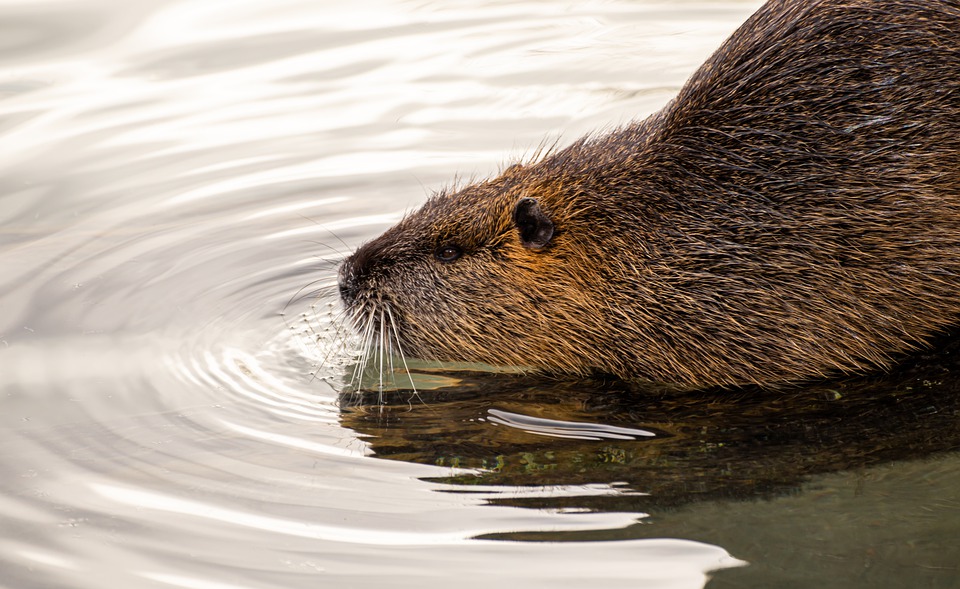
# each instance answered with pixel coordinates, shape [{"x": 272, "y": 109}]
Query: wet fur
[{"x": 793, "y": 213}]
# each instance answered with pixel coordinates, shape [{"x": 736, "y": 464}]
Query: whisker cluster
[
  {"x": 378, "y": 347},
  {"x": 349, "y": 340}
]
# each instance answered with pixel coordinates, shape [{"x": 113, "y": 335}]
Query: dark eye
[{"x": 448, "y": 252}]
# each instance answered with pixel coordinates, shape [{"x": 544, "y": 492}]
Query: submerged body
[{"x": 793, "y": 213}]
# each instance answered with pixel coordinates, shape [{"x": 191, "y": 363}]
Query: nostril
[
  {"x": 348, "y": 290},
  {"x": 347, "y": 286},
  {"x": 354, "y": 274},
  {"x": 347, "y": 282}
]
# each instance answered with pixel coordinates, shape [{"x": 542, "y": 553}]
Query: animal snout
[
  {"x": 356, "y": 272},
  {"x": 347, "y": 282}
]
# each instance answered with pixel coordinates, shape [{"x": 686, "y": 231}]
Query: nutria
[{"x": 793, "y": 213}]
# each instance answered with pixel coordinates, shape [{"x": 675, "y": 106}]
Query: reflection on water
[
  {"x": 815, "y": 470},
  {"x": 180, "y": 180},
  {"x": 694, "y": 446}
]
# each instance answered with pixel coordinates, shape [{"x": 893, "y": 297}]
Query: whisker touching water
[
  {"x": 371, "y": 336},
  {"x": 406, "y": 368}
]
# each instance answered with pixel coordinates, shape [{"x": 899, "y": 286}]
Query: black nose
[
  {"x": 356, "y": 273},
  {"x": 347, "y": 281}
]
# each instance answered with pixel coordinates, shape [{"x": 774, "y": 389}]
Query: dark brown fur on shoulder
[{"x": 793, "y": 213}]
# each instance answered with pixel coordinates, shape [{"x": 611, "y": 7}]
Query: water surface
[{"x": 179, "y": 182}]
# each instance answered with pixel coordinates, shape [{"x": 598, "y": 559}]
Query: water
[{"x": 179, "y": 180}]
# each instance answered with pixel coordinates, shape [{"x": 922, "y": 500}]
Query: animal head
[{"x": 497, "y": 272}]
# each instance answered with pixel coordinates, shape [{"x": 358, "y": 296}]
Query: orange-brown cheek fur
[{"x": 512, "y": 308}]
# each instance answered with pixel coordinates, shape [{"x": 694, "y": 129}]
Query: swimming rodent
[{"x": 793, "y": 213}]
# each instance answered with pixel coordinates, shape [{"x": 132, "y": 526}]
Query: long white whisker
[
  {"x": 359, "y": 360},
  {"x": 393, "y": 376},
  {"x": 382, "y": 347},
  {"x": 403, "y": 357},
  {"x": 367, "y": 340}
]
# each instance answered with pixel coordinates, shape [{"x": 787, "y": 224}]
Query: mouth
[{"x": 364, "y": 314}]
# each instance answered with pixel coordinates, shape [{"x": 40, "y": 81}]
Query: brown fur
[{"x": 793, "y": 213}]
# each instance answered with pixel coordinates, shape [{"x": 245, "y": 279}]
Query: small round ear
[{"x": 536, "y": 229}]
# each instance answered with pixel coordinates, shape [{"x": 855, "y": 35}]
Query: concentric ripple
[{"x": 181, "y": 179}]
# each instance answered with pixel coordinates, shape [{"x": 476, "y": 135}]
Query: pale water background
[{"x": 174, "y": 173}]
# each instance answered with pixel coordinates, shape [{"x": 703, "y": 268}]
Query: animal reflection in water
[{"x": 687, "y": 446}]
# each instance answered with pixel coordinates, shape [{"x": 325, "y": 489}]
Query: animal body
[{"x": 793, "y": 213}]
